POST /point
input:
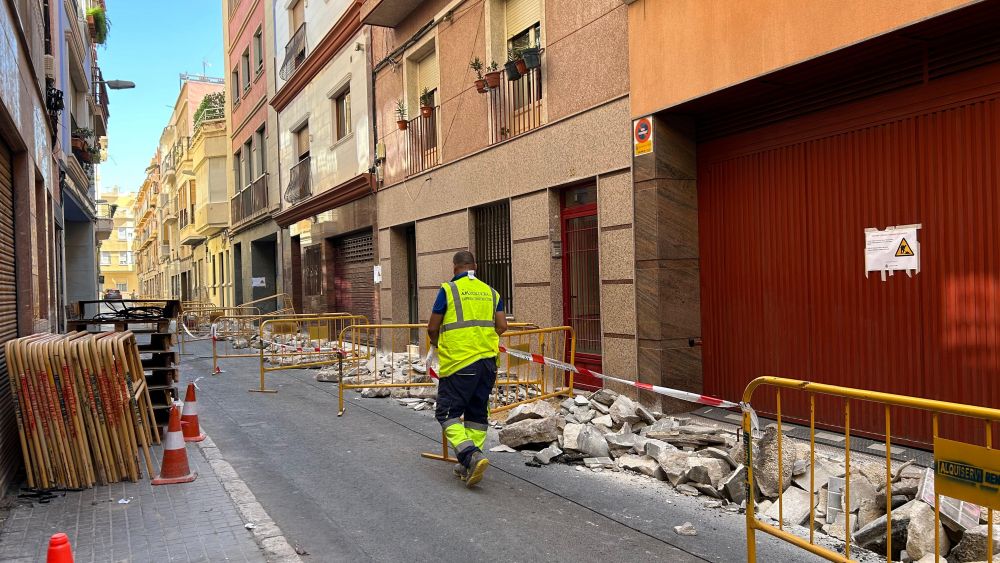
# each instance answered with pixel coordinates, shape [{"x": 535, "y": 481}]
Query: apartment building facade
[
  {"x": 529, "y": 169},
  {"x": 147, "y": 254},
  {"x": 253, "y": 185},
  {"x": 321, "y": 102},
  {"x": 765, "y": 175},
  {"x": 117, "y": 262}
]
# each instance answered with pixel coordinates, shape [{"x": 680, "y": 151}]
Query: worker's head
[{"x": 463, "y": 261}]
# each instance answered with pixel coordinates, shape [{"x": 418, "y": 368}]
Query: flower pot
[
  {"x": 512, "y": 72},
  {"x": 92, "y": 25},
  {"x": 426, "y": 111},
  {"x": 402, "y": 124},
  {"x": 522, "y": 68},
  {"x": 492, "y": 79},
  {"x": 78, "y": 144},
  {"x": 481, "y": 86},
  {"x": 83, "y": 155},
  {"x": 532, "y": 57}
]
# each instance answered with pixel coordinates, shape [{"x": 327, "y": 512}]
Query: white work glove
[{"x": 431, "y": 361}]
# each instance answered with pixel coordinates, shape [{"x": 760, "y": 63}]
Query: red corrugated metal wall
[{"x": 782, "y": 213}]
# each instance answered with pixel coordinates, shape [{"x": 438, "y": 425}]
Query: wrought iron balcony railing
[
  {"x": 251, "y": 202},
  {"x": 299, "y": 186},
  {"x": 422, "y": 143},
  {"x": 295, "y": 53},
  {"x": 515, "y": 106}
]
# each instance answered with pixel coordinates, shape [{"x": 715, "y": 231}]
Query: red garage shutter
[
  {"x": 782, "y": 213},
  {"x": 353, "y": 276}
]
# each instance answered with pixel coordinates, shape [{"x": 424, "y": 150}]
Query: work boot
[
  {"x": 461, "y": 472},
  {"x": 478, "y": 464}
]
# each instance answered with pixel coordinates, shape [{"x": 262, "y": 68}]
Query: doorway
[
  {"x": 296, "y": 254},
  {"x": 581, "y": 278},
  {"x": 411, "y": 273}
]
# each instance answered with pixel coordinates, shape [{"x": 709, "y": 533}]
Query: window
[
  {"x": 130, "y": 233},
  {"x": 258, "y": 51},
  {"x": 122, "y": 233},
  {"x": 245, "y": 68},
  {"x": 312, "y": 267},
  {"x": 248, "y": 161},
  {"x": 427, "y": 78},
  {"x": 234, "y": 79},
  {"x": 124, "y": 258},
  {"x": 237, "y": 168},
  {"x": 342, "y": 114},
  {"x": 296, "y": 16},
  {"x": 105, "y": 258},
  {"x": 492, "y": 229},
  {"x": 520, "y": 16},
  {"x": 261, "y": 151},
  {"x": 302, "y": 142},
  {"x": 122, "y": 287},
  {"x": 193, "y": 192}
]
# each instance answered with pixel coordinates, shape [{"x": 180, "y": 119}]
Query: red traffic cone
[
  {"x": 174, "y": 467},
  {"x": 189, "y": 417},
  {"x": 59, "y": 549}
]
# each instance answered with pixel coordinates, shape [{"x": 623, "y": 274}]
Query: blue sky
[{"x": 151, "y": 43}]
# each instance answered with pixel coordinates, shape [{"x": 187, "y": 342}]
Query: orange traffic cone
[
  {"x": 174, "y": 468},
  {"x": 189, "y": 417},
  {"x": 59, "y": 549}
]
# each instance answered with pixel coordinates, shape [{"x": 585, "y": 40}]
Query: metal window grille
[
  {"x": 312, "y": 269},
  {"x": 492, "y": 224}
]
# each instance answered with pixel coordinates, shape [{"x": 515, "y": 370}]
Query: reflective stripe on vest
[
  {"x": 468, "y": 333},
  {"x": 460, "y": 314}
]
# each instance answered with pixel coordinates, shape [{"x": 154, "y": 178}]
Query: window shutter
[
  {"x": 427, "y": 73},
  {"x": 522, "y": 14}
]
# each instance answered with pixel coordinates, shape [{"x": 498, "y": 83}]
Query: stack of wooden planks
[{"x": 82, "y": 408}]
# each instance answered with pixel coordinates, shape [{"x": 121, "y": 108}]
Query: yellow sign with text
[{"x": 967, "y": 472}]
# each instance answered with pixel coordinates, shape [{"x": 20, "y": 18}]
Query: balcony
[
  {"x": 164, "y": 252},
  {"x": 386, "y": 13},
  {"x": 299, "y": 185},
  {"x": 189, "y": 235},
  {"x": 105, "y": 223},
  {"x": 250, "y": 203},
  {"x": 210, "y": 218},
  {"x": 422, "y": 143},
  {"x": 100, "y": 93},
  {"x": 167, "y": 166},
  {"x": 183, "y": 219},
  {"x": 209, "y": 115},
  {"x": 515, "y": 106},
  {"x": 168, "y": 209},
  {"x": 295, "y": 53}
]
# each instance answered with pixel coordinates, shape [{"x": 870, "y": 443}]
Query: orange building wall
[{"x": 683, "y": 49}]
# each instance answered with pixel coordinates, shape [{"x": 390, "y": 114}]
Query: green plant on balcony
[
  {"x": 477, "y": 65},
  {"x": 211, "y": 107},
  {"x": 427, "y": 103},
  {"x": 401, "y": 115},
  {"x": 515, "y": 66},
  {"x": 79, "y": 137},
  {"x": 492, "y": 75},
  {"x": 95, "y": 153},
  {"x": 100, "y": 25}
]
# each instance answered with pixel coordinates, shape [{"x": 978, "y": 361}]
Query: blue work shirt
[{"x": 441, "y": 303}]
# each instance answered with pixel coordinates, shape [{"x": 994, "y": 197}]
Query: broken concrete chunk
[
  {"x": 591, "y": 442},
  {"x": 920, "y": 533},
  {"x": 375, "y": 392},
  {"x": 594, "y": 462},
  {"x": 972, "y": 547},
  {"x": 656, "y": 448},
  {"x": 733, "y": 486},
  {"x": 872, "y": 537},
  {"x": 795, "y": 505},
  {"x": 530, "y": 431},
  {"x": 503, "y": 448},
  {"x": 686, "y": 489},
  {"x": 545, "y": 456},
  {"x": 765, "y": 467},
  {"x": 570, "y": 436},
  {"x": 642, "y": 464},
  {"x": 708, "y": 471},
  {"x": 675, "y": 465},
  {"x": 580, "y": 400},
  {"x": 604, "y": 396},
  {"x": 621, "y": 443},
  {"x": 645, "y": 415},
  {"x": 600, "y": 407},
  {"x": 707, "y": 490},
  {"x": 686, "y": 529},
  {"x": 718, "y": 453},
  {"x": 604, "y": 420},
  {"x": 623, "y": 410},
  {"x": 537, "y": 409}
]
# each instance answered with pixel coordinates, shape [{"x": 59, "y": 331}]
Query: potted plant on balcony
[
  {"x": 401, "y": 121},
  {"x": 477, "y": 65},
  {"x": 427, "y": 103},
  {"x": 532, "y": 57},
  {"x": 512, "y": 67},
  {"x": 493, "y": 75},
  {"x": 97, "y": 21},
  {"x": 95, "y": 153},
  {"x": 78, "y": 142}
]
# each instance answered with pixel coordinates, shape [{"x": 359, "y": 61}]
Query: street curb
[{"x": 265, "y": 532}]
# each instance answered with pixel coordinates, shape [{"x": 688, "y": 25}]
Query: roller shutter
[
  {"x": 355, "y": 286},
  {"x": 10, "y": 453},
  {"x": 427, "y": 73},
  {"x": 521, "y": 15}
]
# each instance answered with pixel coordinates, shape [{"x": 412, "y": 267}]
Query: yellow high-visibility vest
[{"x": 468, "y": 332}]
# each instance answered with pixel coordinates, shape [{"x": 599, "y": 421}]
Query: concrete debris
[
  {"x": 656, "y": 448},
  {"x": 645, "y": 415},
  {"x": 595, "y": 462},
  {"x": 375, "y": 392},
  {"x": 686, "y": 529},
  {"x": 707, "y": 490},
  {"x": 642, "y": 464},
  {"x": 873, "y": 536},
  {"x": 675, "y": 465},
  {"x": 604, "y": 396},
  {"x": 689, "y": 490},
  {"x": 765, "y": 465},
  {"x": 795, "y": 505},
  {"x": 600, "y": 407},
  {"x": 503, "y": 448},
  {"x": 707, "y": 470},
  {"x": 869, "y": 511},
  {"x": 591, "y": 442},
  {"x": 719, "y": 454},
  {"x": 584, "y": 413},
  {"x": 920, "y": 533},
  {"x": 580, "y": 400},
  {"x": 545, "y": 456},
  {"x": 623, "y": 410},
  {"x": 530, "y": 431},
  {"x": 604, "y": 420},
  {"x": 972, "y": 546},
  {"x": 537, "y": 409},
  {"x": 733, "y": 486}
]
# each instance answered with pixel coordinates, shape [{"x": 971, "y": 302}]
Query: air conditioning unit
[{"x": 50, "y": 67}]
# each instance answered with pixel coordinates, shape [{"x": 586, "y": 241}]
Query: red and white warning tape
[{"x": 667, "y": 391}]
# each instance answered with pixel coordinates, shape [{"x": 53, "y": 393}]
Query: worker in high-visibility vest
[{"x": 464, "y": 328}]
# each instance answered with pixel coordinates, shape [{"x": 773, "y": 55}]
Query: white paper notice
[
  {"x": 258, "y": 282},
  {"x": 893, "y": 249},
  {"x": 377, "y": 274}
]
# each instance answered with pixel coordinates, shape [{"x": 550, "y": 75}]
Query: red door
[{"x": 581, "y": 279}]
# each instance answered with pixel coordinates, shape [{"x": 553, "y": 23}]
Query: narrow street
[{"x": 355, "y": 488}]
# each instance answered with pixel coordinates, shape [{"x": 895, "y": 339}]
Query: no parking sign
[{"x": 642, "y": 136}]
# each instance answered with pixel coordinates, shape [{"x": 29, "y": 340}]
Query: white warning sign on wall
[{"x": 892, "y": 249}]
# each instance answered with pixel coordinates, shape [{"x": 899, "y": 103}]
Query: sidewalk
[{"x": 190, "y": 522}]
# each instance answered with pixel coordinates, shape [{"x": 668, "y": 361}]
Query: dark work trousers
[{"x": 466, "y": 394}]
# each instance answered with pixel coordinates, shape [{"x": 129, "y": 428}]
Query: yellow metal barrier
[
  {"x": 196, "y": 322},
  {"x": 983, "y": 455},
  {"x": 364, "y": 345},
  {"x": 282, "y": 301},
  {"x": 519, "y": 381},
  {"x": 288, "y": 340}
]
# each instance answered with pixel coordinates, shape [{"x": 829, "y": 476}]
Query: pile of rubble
[{"x": 608, "y": 431}]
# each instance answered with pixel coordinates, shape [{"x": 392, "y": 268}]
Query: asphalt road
[{"x": 355, "y": 488}]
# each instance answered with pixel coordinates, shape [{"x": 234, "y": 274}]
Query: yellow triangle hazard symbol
[{"x": 904, "y": 249}]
